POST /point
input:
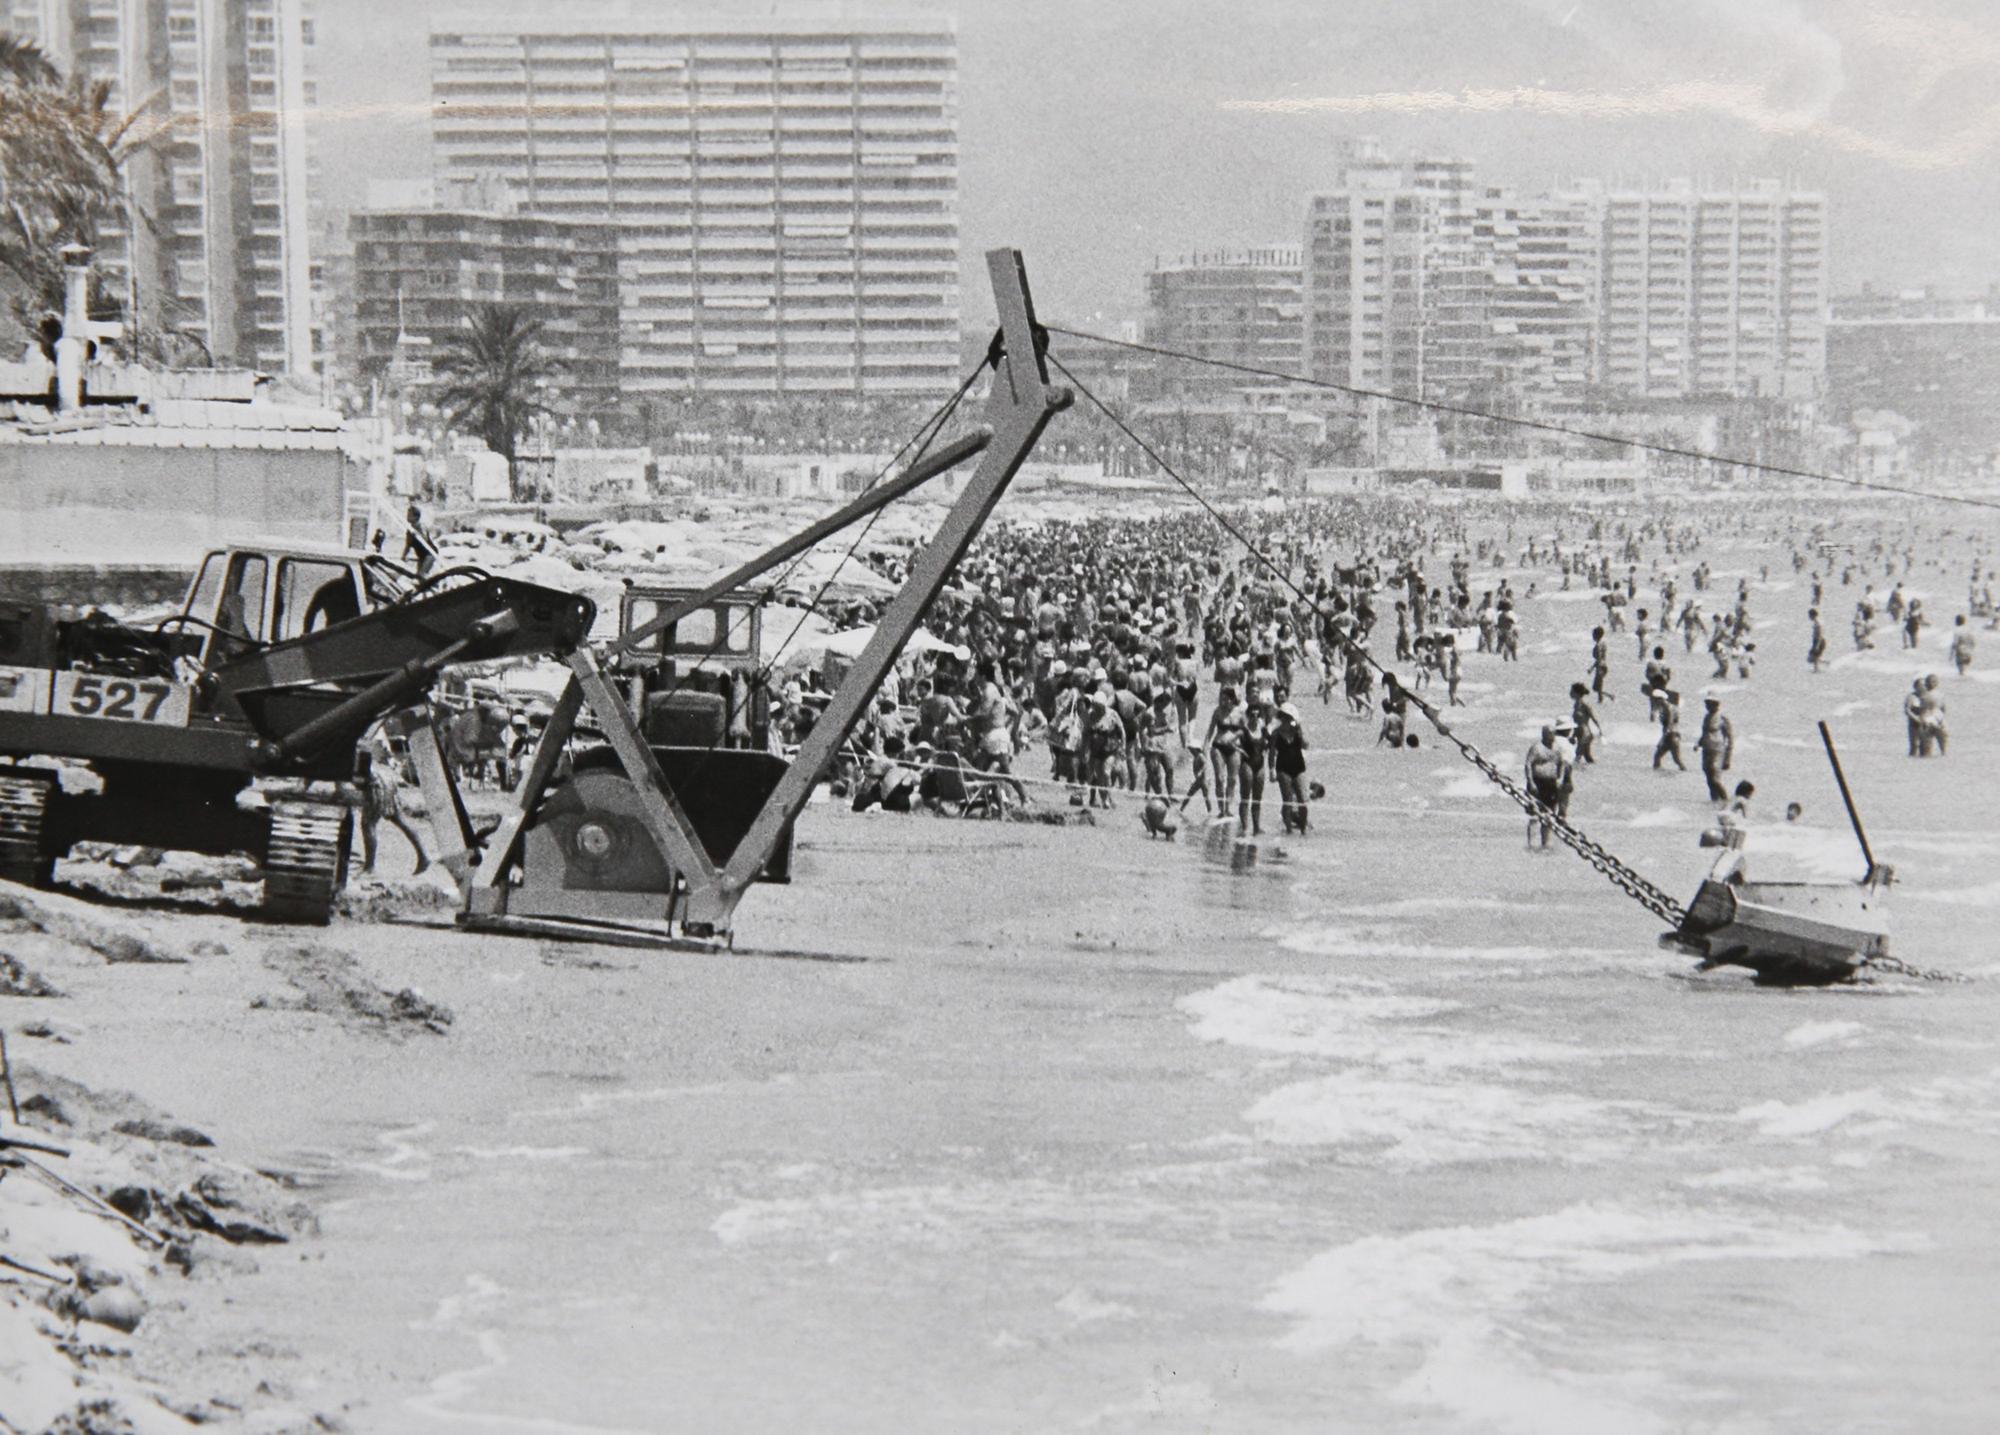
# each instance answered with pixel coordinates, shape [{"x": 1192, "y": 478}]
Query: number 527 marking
[{"x": 130, "y": 699}]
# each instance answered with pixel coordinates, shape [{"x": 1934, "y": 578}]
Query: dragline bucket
[{"x": 630, "y": 831}]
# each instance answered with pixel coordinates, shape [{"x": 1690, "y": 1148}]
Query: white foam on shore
[
  {"x": 1414, "y": 1122},
  {"x": 1959, "y": 1103},
  {"x": 1776, "y": 1180},
  {"x": 1660, "y": 817},
  {"x": 406, "y": 1160},
  {"x": 1462, "y": 1296},
  {"x": 1818, "y": 1033},
  {"x": 1363, "y": 942},
  {"x": 1434, "y": 906},
  {"x": 1631, "y": 734},
  {"x": 1357, "y": 1021},
  {"x": 1785, "y": 850},
  {"x": 1085, "y": 1309},
  {"x": 524, "y": 1153},
  {"x": 1468, "y": 785},
  {"x": 1413, "y": 1090},
  {"x": 1867, "y": 1109},
  {"x": 1177, "y": 1202},
  {"x": 441, "y": 1403}
]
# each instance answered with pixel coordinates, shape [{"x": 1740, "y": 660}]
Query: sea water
[{"x": 1415, "y": 1129}]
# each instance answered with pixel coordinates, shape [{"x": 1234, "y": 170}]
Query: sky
[{"x": 1099, "y": 135}]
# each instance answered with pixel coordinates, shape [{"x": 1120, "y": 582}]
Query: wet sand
[{"x": 1073, "y": 1129}]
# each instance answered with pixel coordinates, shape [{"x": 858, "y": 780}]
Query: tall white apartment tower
[
  {"x": 1712, "y": 291},
  {"x": 1367, "y": 251},
  {"x": 216, "y": 245},
  {"x": 784, "y": 176}
]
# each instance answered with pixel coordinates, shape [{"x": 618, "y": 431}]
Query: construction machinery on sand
[
  {"x": 212, "y": 730},
  {"x": 653, "y": 798},
  {"x": 219, "y": 729}
]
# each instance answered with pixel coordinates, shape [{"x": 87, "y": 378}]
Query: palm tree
[
  {"x": 492, "y": 375},
  {"x": 63, "y": 152}
]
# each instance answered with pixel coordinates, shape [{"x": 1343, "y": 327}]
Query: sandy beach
[{"x": 1020, "y": 1127}]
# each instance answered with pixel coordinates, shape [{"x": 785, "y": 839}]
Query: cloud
[
  {"x": 1796, "y": 73},
  {"x": 1746, "y": 104}
]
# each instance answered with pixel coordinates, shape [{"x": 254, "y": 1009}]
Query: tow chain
[
  {"x": 1620, "y": 876},
  {"x": 1895, "y": 966}
]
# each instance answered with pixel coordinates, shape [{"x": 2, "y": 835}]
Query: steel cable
[
  {"x": 1623, "y": 877},
  {"x": 1522, "y": 421}
]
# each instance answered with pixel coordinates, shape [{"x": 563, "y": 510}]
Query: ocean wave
[
  {"x": 1774, "y": 1179},
  {"x": 1368, "y": 942},
  {"x": 1818, "y": 1033},
  {"x": 1415, "y": 1122},
  {"x": 1357, "y": 1021},
  {"x": 1460, "y": 1296},
  {"x": 1966, "y": 1103}
]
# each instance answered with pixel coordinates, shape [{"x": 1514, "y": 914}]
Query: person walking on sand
[
  {"x": 1453, "y": 673},
  {"x": 1718, "y": 748},
  {"x": 1692, "y": 624},
  {"x": 1816, "y": 648},
  {"x": 1224, "y": 746},
  {"x": 1288, "y": 761},
  {"x": 1600, "y": 665},
  {"x": 1932, "y": 717},
  {"x": 381, "y": 801}
]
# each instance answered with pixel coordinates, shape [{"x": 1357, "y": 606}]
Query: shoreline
[{"x": 1050, "y": 1139}]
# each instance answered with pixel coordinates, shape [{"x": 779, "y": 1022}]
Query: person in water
[{"x": 1544, "y": 771}]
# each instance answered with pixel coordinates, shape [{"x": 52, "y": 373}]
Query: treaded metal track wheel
[
  {"x": 24, "y": 802},
  {"x": 306, "y": 861}
]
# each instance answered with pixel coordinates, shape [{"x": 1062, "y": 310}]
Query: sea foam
[{"x": 1461, "y": 1298}]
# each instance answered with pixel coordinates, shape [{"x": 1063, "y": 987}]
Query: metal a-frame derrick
[{"x": 702, "y": 893}]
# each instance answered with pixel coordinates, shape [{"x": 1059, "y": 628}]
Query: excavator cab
[{"x": 249, "y": 596}]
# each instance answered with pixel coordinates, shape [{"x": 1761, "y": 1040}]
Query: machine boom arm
[{"x": 1019, "y": 404}]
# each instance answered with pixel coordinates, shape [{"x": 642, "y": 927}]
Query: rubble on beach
[{"x": 111, "y": 1208}]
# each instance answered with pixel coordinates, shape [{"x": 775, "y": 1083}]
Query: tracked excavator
[
  {"x": 215, "y": 730},
  {"x": 648, "y": 818}
]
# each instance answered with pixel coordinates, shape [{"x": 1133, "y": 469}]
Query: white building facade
[
  {"x": 1712, "y": 291},
  {"x": 220, "y": 251},
  {"x": 785, "y": 182}
]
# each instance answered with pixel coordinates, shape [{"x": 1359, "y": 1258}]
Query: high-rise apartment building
[
  {"x": 221, "y": 249},
  {"x": 785, "y": 182},
  {"x": 419, "y": 273},
  {"x": 1417, "y": 282},
  {"x": 1712, "y": 291},
  {"x": 1539, "y": 259},
  {"x": 1398, "y": 276},
  {"x": 1243, "y": 306}
]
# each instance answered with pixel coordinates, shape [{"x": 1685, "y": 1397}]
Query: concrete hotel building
[
  {"x": 1712, "y": 292},
  {"x": 1541, "y": 299},
  {"x": 1394, "y": 276},
  {"x": 1244, "y": 306},
  {"x": 785, "y": 182},
  {"x": 419, "y": 271},
  {"x": 226, "y": 259}
]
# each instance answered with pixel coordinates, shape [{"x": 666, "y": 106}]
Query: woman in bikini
[{"x": 1224, "y": 744}]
